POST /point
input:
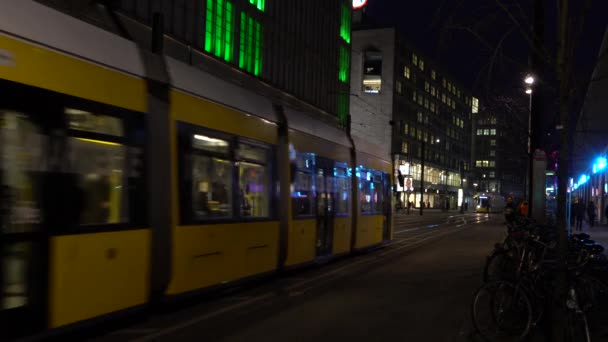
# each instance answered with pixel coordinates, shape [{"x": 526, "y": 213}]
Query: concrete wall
[{"x": 371, "y": 113}]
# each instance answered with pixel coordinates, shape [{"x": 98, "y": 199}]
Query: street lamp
[{"x": 528, "y": 190}]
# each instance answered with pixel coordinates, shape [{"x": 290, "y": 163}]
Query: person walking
[
  {"x": 591, "y": 213},
  {"x": 580, "y": 215}
]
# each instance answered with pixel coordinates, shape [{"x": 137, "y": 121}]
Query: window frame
[
  {"x": 185, "y": 132},
  {"x": 132, "y": 122}
]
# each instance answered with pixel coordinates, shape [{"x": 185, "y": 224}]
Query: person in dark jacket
[{"x": 573, "y": 210}]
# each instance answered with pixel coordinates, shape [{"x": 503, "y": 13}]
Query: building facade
[
  {"x": 500, "y": 149},
  {"x": 296, "y": 53},
  {"x": 421, "y": 115}
]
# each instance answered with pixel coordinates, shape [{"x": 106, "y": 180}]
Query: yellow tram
[{"x": 120, "y": 188}]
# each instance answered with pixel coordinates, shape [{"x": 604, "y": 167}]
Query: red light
[{"x": 359, "y": 3}]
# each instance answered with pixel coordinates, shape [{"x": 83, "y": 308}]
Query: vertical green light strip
[
  {"x": 228, "y": 33},
  {"x": 261, "y": 5},
  {"x": 242, "y": 42},
  {"x": 219, "y": 18},
  {"x": 258, "y": 38},
  {"x": 250, "y": 44},
  {"x": 209, "y": 26},
  {"x": 345, "y": 23},
  {"x": 343, "y": 64}
]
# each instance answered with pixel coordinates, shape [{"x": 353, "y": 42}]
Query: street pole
[
  {"x": 422, "y": 177},
  {"x": 530, "y": 157}
]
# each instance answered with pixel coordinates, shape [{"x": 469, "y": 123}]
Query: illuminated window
[
  {"x": 493, "y": 142},
  {"x": 344, "y": 22},
  {"x": 372, "y": 72},
  {"x": 475, "y": 106},
  {"x": 493, "y": 131},
  {"x": 433, "y": 74},
  {"x": 398, "y": 87},
  {"x": 420, "y": 101},
  {"x": 250, "y": 54},
  {"x": 433, "y": 91},
  {"x": 492, "y": 163},
  {"x": 444, "y": 82},
  {"x": 344, "y": 64},
  {"x": 421, "y": 64},
  {"x": 414, "y": 96},
  {"x": 492, "y": 174},
  {"x": 493, "y": 121},
  {"x": 406, "y": 128},
  {"x": 420, "y": 117},
  {"x": 419, "y": 134},
  {"x": 486, "y": 132},
  {"x": 406, "y": 72},
  {"x": 260, "y": 4},
  {"x": 492, "y": 153},
  {"x": 427, "y": 86},
  {"x": 485, "y": 163},
  {"x": 219, "y": 29},
  {"x": 404, "y": 147},
  {"x": 433, "y": 107},
  {"x": 413, "y": 131},
  {"x": 426, "y": 103},
  {"x": 478, "y": 163},
  {"x": 414, "y": 59}
]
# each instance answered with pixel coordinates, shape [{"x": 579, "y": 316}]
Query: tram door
[
  {"x": 326, "y": 211},
  {"x": 23, "y": 244}
]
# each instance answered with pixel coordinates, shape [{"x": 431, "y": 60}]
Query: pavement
[{"x": 418, "y": 288}]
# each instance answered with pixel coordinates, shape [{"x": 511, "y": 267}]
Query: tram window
[
  {"x": 254, "y": 192},
  {"x": 13, "y": 274},
  {"x": 81, "y": 120},
  {"x": 102, "y": 178},
  {"x": 366, "y": 192},
  {"x": 303, "y": 194},
  {"x": 210, "y": 144},
  {"x": 212, "y": 187},
  {"x": 21, "y": 160},
  {"x": 378, "y": 193},
  {"x": 343, "y": 193}
]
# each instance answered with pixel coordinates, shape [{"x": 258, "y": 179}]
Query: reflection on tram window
[
  {"x": 303, "y": 194},
  {"x": 206, "y": 143},
  {"x": 21, "y": 161},
  {"x": 254, "y": 192},
  {"x": 212, "y": 187},
  {"x": 343, "y": 195},
  {"x": 101, "y": 169},
  {"x": 366, "y": 192},
  {"x": 81, "y": 120},
  {"x": 378, "y": 193},
  {"x": 13, "y": 274}
]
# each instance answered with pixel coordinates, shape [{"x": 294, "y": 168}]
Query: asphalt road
[{"x": 416, "y": 289}]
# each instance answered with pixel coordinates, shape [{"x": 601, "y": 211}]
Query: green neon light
[
  {"x": 345, "y": 23},
  {"x": 228, "y": 33},
  {"x": 242, "y": 42},
  {"x": 251, "y": 40},
  {"x": 259, "y": 4},
  {"x": 209, "y": 26},
  {"x": 343, "y": 64},
  {"x": 219, "y": 29},
  {"x": 342, "y": 108}
]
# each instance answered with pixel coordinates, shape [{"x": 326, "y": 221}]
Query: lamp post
[{"x": 529, "y": 80}]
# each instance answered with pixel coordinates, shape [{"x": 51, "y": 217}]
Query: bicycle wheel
[
  {"x": 501, "y": 311},
  {"x": 592, "y": 295},
  {"x": 499, "y": 266}
]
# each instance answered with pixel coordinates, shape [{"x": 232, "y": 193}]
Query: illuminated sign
[{"x": 359, "y": 3}]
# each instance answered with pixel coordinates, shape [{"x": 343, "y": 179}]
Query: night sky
[
  {"x": 449, "y": 33},
  {"x": 437, "y": 28}
]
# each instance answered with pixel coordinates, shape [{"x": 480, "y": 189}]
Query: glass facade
[{"x": 250, "y": 52}]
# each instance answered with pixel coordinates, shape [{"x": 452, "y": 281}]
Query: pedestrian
[
  {"x": 580, "y": 215},
  {"x": 591, "y": 213}
]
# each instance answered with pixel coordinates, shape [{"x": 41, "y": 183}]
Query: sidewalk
[{"x": 598, "y": 233}]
